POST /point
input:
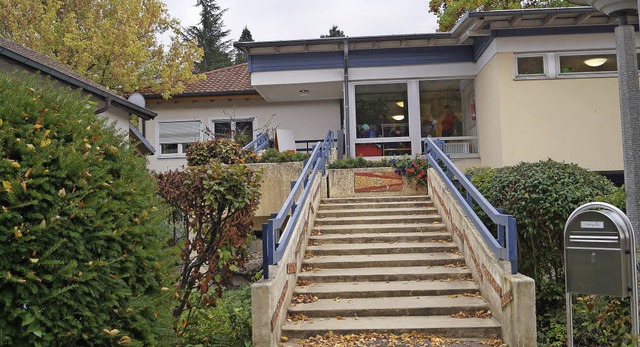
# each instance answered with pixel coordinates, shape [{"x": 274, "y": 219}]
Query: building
[
  {"x": 502, "y": 87},
  {"x": 15, "y": 57}
]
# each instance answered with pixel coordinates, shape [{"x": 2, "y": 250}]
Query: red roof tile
[{"x": 227, "y": 80}]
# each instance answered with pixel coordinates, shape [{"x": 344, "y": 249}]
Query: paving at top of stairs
[{"x": 385, "y": 264}]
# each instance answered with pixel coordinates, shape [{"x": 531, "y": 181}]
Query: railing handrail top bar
[
  {"x": 445, "y": 139},
  {"x": 491, "y": 211}
]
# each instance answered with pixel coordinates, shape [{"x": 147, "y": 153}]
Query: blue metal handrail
[
  {"x": 259, "y": 143},
  {"x": 273, "y": 251},
  {"x": 505, "y": 247}
]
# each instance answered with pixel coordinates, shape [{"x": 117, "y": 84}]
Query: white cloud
[{"x": 275, "y": 20}]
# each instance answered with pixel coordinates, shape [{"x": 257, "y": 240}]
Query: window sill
[{"x": 172, "y": 156}]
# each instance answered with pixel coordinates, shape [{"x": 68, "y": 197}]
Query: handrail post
[
  {"x": 501, "y": 230},
  {"x": 512, "y": 244}
]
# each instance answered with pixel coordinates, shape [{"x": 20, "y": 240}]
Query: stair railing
[
  {"x": 288, "y": 216},
  {"x": 259, "y": 143},
  {"x": 505, "y": 246}
]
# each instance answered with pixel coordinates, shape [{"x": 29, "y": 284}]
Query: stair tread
[
  {"x": 399, "y": 286},
  {"x": 457, "y": 303},
  {"x": 374, "y": 204},
  {"x": 396, "y": 270},
  {"x": 407, "y": 218},
  {"x": 379, "y": 245},
  {"x": 386, "y": 323},
  {"x": 415, "y": 226},
  {"x": 412, "y": 210},
  {"x": 363, "y": 236},
  {"x": 378, "y": 198},
  {"x": 383, "y": 257}
]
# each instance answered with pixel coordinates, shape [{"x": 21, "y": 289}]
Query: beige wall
[
  {"x": 308, "y": 120},
  {"x": 567, "y": 119}
]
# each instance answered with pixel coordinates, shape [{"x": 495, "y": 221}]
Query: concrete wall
[
  {"x": 511, "y": 298},
  {"x": 270, "y": 298},
  {"x": 341, "y": 183},
  {"x": 575, "y": 120},
  {"x": 276, "y": 185},
  {"x": 308, "y": 120}
]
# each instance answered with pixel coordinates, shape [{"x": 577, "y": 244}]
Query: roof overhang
[{"x": 65, "y": 78}]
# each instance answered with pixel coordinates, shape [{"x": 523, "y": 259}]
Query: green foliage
[
  {"x": 334, "y": 32},
  {"x": 358, "y": 162},
  {"x": 413, "y": 168},
  {"x": 448, "y": 11},
  {"x": 81, "y": 235},
  {"x": 226, "y": 151},
  {"x": 617, "y": 198},
  {"x": 210, "y": 36},
  {"x": 272, "y": 155},
  {"x": 218, "y": 201},
  {"x": 541, "y": 196},
  {"x": 227, "y": 324}
]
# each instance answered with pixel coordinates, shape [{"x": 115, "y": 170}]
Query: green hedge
[
  {"x": 541, "y": 196},
  {"x": 81, "y": 236}
]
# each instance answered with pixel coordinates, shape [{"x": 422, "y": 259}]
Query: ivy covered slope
[{"x": 81, "y": 236}]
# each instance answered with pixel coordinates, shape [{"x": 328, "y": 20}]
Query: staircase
[{"x": 385, "y": 264}]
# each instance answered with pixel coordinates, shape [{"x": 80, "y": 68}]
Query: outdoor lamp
[{"x": 398, "y": 117}]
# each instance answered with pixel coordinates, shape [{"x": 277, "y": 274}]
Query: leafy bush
[
  {"x": 226, "y": 151},
  {"x": 617, "y": 198},
  {"x": 358, "y": 162},
  {"x": 413, "y": 168},
  {"x": 227, "y": 324},
  {"x": 218, "y": 202},
  {"x": 81, "y": 235},
  {"x": 272, "y": 155},
  {"x": 541, "y": 196}
]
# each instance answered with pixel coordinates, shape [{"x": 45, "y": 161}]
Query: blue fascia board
[{"x": 361, "y": 58}]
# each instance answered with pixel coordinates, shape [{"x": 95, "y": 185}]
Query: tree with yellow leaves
[{"x": 113, "y": 42}]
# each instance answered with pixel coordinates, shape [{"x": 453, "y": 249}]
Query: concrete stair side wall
[
  {"x": 270, "y": 298},
  {"x": 275, "y": 184},
  {"x": 510, "y": 297}
]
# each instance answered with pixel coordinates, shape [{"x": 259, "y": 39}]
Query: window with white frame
[
  {"x": 175, "y": 137},
  {"x": 530, "y": 66},
  {"x": 240, "y": 130}
]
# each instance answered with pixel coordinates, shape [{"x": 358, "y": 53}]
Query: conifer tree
[
  {"x": 210, "y": 36},
  {"x": 334, "y": 32},
  {"x": 246, "y": 36}
]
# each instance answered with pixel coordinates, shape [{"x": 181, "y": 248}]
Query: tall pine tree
[
  {"x": 334, "y": 32},
  {"x": 246, "y": 36},
  {"x": 210, "y": 35}
]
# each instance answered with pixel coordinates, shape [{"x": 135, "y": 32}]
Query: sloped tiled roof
[
  {"x": 230, "y": 80},
  {"x": 62, "y": 72}
]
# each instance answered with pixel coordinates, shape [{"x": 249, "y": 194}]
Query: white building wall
[{"x": 308, "y": 120}]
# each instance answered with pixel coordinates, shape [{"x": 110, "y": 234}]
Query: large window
[
  {"x": 240, "y": 130},
  {"x": 382, "y": 119},
  {"x": 566, "y": 65},
  {"x": 175, "y": 137}
]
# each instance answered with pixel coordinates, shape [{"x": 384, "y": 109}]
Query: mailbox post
[{"x": 600, "y": 257}]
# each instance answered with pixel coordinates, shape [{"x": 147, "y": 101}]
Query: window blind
[{"x": 179, "y": 132}]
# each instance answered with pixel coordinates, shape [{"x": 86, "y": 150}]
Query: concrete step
[
  {"x": 391, "y": 211},
  {"x": 396, "y": 306},
  {"x": 369, "y": 199},
  {"x": 380, "y": 237},
  {"x": 375, "y": 205},
  {"x": 383, "y": 260},
  {"x": 444, "y": 326},
  {"x": 375, "y": 219},
  {"x": 407, "y": 273},
  {"x": 381, "y": 248},
  {"x": 378, "y": 228},
  {"x": 349, "y": 290}
]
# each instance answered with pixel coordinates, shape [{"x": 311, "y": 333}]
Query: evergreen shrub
[
  {"x": 541, "y": 196},
  {"x": 81, "y": 236}
]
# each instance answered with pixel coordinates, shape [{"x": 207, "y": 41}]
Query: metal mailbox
[
  {"x": 598, "y": 254},
  {"x": 600, "y": 258}
]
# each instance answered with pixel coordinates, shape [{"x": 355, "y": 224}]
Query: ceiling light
[
  {"x": 400, "y": 103},
  {"x": 304, "y": 92},
  {"x": 398, "y": 117},
  {"x": 595, "y": 62}
]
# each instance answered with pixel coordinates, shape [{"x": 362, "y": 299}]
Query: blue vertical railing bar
[
  {"x": 506, "y": 246},
  {"x": 259, "y": 143},
  {"x": 274, "y": 249}
]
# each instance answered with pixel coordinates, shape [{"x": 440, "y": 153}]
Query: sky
[{"x": 276, "y": 20}]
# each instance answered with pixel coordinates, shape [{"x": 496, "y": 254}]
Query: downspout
[
  {"x": 347, "y": 132},
  {"x": 107, "y": 105}
]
